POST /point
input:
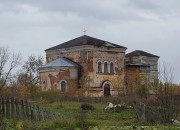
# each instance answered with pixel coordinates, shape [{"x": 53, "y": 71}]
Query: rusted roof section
[
  {"x": 60, "y": 62},
  {"x": 140, "y": 53},
  {"x": 85, "y": 40}
]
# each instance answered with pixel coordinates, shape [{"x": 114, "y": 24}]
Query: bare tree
[
  {"x": 8, "y": 62},
  {"x": 167, "y": 98},
  {"x": 29, "y": 75}
]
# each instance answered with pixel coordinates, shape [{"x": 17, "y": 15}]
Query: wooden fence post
[
  {"x": 42, "y": 114},
  {"x": 31, "y": 112},
  {"x": 38, "y": 113},
  {"x": 45, "y": 114},
  {"x": 17, "y": 108},
  {"x": 3, "y": 109},
  {"x": 27, "y": 109},
  {"x": 12, "y": 108},
  {"x": 35, "y": 112},
  {"x": 22, "y": 109},
  {"x": 7, "y": 108},
  {"x": 0, "y": 109}
]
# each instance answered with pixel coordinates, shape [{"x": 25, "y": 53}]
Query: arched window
[
  {"x": 107, "y": 87},
  {"x": 99, "y": 67},
  {"x": 63, "y": 85},
  {"x": 111, "y": 67},
  {"x": 105, "y": 67}
]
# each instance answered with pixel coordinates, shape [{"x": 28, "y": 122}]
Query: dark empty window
[
  {"x": 111, "y": 68},
  {"x": 99, "y": 67},
  {"x": 63, "y": 86},
  {"x": 105, "y": 67}
]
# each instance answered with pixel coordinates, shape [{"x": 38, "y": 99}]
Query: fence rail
[{"x": 13, "y": 108}]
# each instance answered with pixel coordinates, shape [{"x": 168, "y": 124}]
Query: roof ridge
[
  {"x": 60, "y": 62},
  {"x": 140, "y": 53},
  {"x": 85, "y": 40}
]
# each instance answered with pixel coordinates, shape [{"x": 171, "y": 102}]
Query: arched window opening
[
  {"x": 105, "y": 67},
  {"x": 107, "y": 88},
  {"x": 111, "y": 67},
  {"x": 99, "y": 67},
  {"x": 63, "y": 86}
]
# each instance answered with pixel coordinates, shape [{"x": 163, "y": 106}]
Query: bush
[
  {"x": 87, "y": 106},
  {"x": 86, "y": 124}
]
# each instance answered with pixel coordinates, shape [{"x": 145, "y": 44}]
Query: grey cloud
[
  {"x": 99, "y": 10},
  {"x": 142, "y": 4}
]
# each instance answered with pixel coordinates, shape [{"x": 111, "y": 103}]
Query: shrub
[
  {"x": 86, "y": 124},
  {"x": 87, "y": 106}
]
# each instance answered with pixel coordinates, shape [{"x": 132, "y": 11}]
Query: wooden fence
[{"x": 12, "y": 108}]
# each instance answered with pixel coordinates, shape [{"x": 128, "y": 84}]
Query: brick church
[{"x": 92, "y": 67}]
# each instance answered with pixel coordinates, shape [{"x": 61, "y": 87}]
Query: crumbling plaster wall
[{"x": 51, "y": 77}]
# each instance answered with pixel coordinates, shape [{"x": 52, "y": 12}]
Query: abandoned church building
[{"x": 92, "y": 67}]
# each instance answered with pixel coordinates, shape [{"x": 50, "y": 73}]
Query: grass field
[
  {"x": 75, "y": 118},
  {"x": 71, "y": 110}
]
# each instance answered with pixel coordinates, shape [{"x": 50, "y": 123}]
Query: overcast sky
[{"x": 31, "y": 26}]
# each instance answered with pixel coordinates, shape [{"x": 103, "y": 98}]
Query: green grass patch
[
  {"x": 71, "y": 110},
  {"x": 75, "y": 118}
]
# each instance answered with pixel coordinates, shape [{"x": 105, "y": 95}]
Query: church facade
[{"x": 85, "y": 66}]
